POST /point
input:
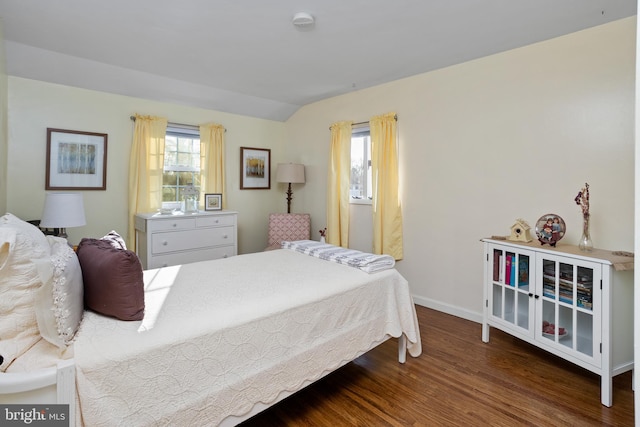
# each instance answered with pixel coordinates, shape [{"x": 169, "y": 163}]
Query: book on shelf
[
  {"x": 585, "y": 304},
  {"x": 508, "y": 269},
  {"x": 566, "y": 296},
  {"x": 584, "y": 300},
  {"x": 523, "y": 271},
  {"x": 497, "y": 264},
  {"x": 549, "y": 268},
  {"x": 583, "y": 288}
]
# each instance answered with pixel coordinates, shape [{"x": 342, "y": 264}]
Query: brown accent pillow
[{"x": 113, "y": 283}]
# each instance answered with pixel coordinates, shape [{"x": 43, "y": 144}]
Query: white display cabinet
[{"x": 576, "y": 305}]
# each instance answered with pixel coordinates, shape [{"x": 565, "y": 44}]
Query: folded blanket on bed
[{"x": 364, "y": 261}]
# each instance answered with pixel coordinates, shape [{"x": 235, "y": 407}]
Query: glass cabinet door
[
  {"x": 510, "y": 297},
  {"x": 569, "y": 305}
]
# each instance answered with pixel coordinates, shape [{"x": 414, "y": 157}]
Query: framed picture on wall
[
  {"x": 255, "y": 168},
  {"x": 76, "y": 160},
  {"x": 212, "y": 202}
]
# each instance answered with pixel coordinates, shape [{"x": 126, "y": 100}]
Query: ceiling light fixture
[{"x": 303, "y": 20}]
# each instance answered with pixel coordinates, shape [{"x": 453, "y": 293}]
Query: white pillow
[
  {"x": 59, "y": 302},
  {"x": 21, "y": 244},
  {"x": 115, "y": 239}
]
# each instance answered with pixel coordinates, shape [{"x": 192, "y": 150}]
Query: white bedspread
[
  {"x": 367, "y": 262},
  {"x": 221, "y": 335}
]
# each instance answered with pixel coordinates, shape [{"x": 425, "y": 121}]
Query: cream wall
[
  {"x": 513, "y": 135},
  {"x": 34, "y": 106}
]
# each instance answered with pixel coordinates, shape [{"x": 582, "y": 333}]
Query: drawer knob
[
  {"x": 225, "y": 236},
  {"x": 165, "y": 243},
  {"x": 217, "y": 221},
  {"x": 225, "y": 255},
  {"x": 175, "y": 225},
  {"x": 165, "y": 264}
]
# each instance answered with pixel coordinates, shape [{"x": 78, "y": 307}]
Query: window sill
[{"x": 360, "y": 201}]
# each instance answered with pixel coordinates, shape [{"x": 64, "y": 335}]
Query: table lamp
[
  {"x": 63, "y": 210},
  {"x": 291, "y": 173}
]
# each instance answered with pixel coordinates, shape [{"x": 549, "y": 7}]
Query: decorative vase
[
  {"x": 586, "y": 244},
  {"x": 322, "y": 239},
  {"x": 190, "y": 204},
  {"x": 190, "y": 195}
]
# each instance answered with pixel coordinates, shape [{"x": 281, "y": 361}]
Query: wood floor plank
[{"x": 457, "y": 381}]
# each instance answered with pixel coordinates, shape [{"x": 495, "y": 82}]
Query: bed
[{"x": 219, "y": 341}]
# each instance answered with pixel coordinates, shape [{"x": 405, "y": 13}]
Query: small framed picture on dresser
[{"x": 213, "y": 202}]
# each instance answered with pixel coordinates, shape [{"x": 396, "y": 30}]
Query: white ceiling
[{"x": 246, "y": 57}]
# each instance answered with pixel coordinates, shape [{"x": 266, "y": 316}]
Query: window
[
  {"x": 181, "y": 163},
  {"x": 360, "y": 181}
]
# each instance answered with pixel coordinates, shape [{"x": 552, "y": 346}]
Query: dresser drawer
[
  {"x": 171, "y": 224},
  {"x": 215, "y": 221},
  {"x": 190, "y": 256},
  {"x": 192, "y": 239}
]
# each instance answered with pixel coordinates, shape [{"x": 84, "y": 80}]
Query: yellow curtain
[
  {"x": 387, "y": 211},
  {"x": 338, "y": 185},
  {"x": 145, "y": 168},
  {"x": 212, "y": 161}
]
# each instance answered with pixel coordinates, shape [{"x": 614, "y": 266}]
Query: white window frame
[
  {"x": 184, "y": 131},
  {"x": 358, "y": 131}
]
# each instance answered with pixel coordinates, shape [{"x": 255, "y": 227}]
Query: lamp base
[
  {"x": 289, "y": 198},
  {"x": 63, "y": 234}
]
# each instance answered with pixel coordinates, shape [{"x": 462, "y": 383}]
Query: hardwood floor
[{"x": 457, "y": 381}]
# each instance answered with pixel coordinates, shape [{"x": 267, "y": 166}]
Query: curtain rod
[
  {"x": 133, "y": 119},
  {"x": 364, "y": 123}
]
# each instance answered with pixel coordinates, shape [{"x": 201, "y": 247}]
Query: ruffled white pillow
[
  {"x": 59, "y": 302},
  {"x": 21, "y": 245}
]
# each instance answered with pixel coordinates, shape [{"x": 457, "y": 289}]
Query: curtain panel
[
  {"x": 386, "y": 206},
  {"x": 338, "y": 184},
  {"x": 212, "y": 173},
  {"x": 145, "y": 168}
]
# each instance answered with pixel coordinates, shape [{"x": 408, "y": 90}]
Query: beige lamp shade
[
  {"x": 290, "y": 172},
  {"x": 63, "y": 210}
]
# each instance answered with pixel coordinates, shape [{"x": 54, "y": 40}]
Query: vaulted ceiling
[{"x": 246, "y": 56}]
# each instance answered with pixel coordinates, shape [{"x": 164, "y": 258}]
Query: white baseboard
[{"x": 449, "y": 309}]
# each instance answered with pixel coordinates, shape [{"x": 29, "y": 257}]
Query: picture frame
[
  {"x": 213, "y": 202},
  {"x": 255, "y": 168},
  {"x": 76, "y": 160}
]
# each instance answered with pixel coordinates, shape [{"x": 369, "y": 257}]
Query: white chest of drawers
[{"x": 163, "y": 240}]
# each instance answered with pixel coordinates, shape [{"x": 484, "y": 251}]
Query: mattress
[{"x": 219, "y": 337}]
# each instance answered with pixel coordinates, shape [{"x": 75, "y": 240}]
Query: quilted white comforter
[{"x": 221, "y": 336}]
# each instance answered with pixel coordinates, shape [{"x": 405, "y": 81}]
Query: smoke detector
[{"x": 303, "y": 20}]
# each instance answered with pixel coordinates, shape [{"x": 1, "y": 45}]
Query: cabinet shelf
[{"x": 536, "y": 293}]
